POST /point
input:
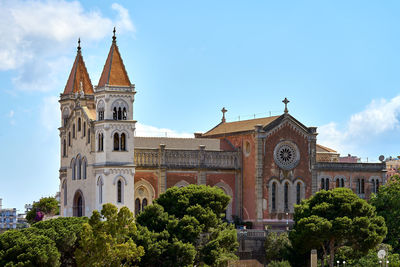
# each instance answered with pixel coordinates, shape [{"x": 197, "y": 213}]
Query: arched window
[
  {"x": 101, "y": 115},
  {"x": 119, "y": 191},
  {"x": 144, "y": 203},
  {"x": 79, "y": 124},
  {"x": 119, "y": 114},
  {"x": 84, "y": 169},
  {"x": 65, "y": 192},
  {"x": 88, "y": 136},
  {"x": 286, "y": 195},
  {"x": 337, "y": 183},
  {"x": 362, "y": 186},
  {"x": 322, "y": 183},
  {"x": 100, "y": 186},
  {"x": 137, "y": 206},
  {"x": 298, "y": 193},
  {"x": 84, "y": 129},
  {"x": 123, "y": 148},
  {"x": 73, "y": 168},
  {"x": 64, "y": 148},
  {"x": 377, "y": 185},
  {"x": 326, "y": 184},
  {"x": 124, "y": 114},
  {"x": 115, "y": 115},
  {"x": 273, "y": 196},
  {"x": 79, "y": 167},
  {"x": 116, "y": 141},
  {"x": 100, "y": 110},
  {"x": 69, "y": 138},
  {"x": 341, "y": 182},
  {"x": 73, "y": 130},
  {"x": 100, "y": 142}
]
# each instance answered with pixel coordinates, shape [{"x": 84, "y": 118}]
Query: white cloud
[
  {"x": 147, "y": 130},
  {"x": 36, "y": 34},
  {"x": 10, "y": 115},
  {"x": 49, "y": 114},
  {"x": 379, "y": 117}
]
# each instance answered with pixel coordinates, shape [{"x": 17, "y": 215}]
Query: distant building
[
  {"x": 392, "y": 166},
  {"x": 8, "y": 218},
  {"x": 350, "y": 159}
]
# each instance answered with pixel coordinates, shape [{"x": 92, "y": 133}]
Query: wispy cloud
[
  {"x": 37, "y": 34},
  {"x": 10, "y": 115},
  {"x": 147, "y": 130},
  {"x": 379, "y": 117}
]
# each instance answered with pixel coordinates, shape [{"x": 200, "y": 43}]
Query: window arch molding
[
  {"x": 148, "y": 186},
  {"x": 120, "y": 177},
  {"x": 144, "y": 195},
  {"x": 78, "y": 207},
  {"x": 119, "y": 103},
  {"x": 228, "y": 190},
  {"x": 181, "y": 183},
  {"x": 340, "y": 177},
  {"x": 119, "y": 132}
]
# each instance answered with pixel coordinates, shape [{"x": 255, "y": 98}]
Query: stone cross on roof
[
  {"x": 223, "y": 110},
  {"x": 286, "y": 101}
]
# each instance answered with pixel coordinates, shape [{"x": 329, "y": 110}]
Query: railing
[
  {"x": 340, "y": 166},
  {"x": 186, "y": 159}
]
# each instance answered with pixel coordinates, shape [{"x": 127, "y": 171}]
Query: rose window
[{"x": 286, "y": 155}]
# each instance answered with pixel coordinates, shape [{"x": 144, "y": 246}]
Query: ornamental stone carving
[{"x": 286, "y": 155}]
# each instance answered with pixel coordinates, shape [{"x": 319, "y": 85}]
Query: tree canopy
[
  {"x": 188, "y": 222},
  {"x": 45, "y": 206},
  {"x": 387, "y": 204},
  {"x": 106, "y": 241},
  {"x": 333, "y": 219}
]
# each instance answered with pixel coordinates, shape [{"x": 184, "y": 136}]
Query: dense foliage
[
  {"x": 45, "y": 206},
  {"x": 47, "y": 243},
  {"x": 277, "y": 246},
  {"x": 185, "y": 227},
  {"x": 332, "y": 219},
  {"x": 106, "y": 241},
  {"x": 387, "y": 204}
]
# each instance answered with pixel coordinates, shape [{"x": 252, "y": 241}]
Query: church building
[{"x": 266, "y": 165}]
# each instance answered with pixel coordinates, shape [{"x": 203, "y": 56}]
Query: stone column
[
  {"x": 162, "y": 171},
  {"x": 312, "y": 141},
  {"x": 314, "y": 258},
  {"x": 259, "y": 171}
]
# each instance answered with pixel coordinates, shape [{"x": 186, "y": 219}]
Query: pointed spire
[
  {"x": 78, "y": 79},
  {"x": 114, "y": 72}
]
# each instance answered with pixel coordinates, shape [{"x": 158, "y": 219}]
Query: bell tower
[{"x": 114, "y": 132}]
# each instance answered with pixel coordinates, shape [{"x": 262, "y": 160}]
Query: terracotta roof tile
[
  {"x": 325, "y": 149},
  {"x": 79, "y": 77},
  {"x": 239, "y": 126},
  {"x": 114, "y": 72}
]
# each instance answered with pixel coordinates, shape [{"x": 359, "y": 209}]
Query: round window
[{"x": 286, "y": 155}]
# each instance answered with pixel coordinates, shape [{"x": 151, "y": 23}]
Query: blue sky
[{"x": 338, "y": 62}]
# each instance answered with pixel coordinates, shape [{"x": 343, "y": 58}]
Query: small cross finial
[
  {"x": 223, "y": 110},
  {"x": 114, "y": 38},
  {"x": 286, "y": 101},
  {"x": 79, "y": 44}
]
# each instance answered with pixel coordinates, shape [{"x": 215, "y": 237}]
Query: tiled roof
[
  {"x": 114, "y": 72},
  {"x": 90, "y": 112},
  {"x": 79, "y": 77},
  {"x": 177, "y": 143},
  {"x": 239, "y": 126},
  {"x": 325, "y": 149}
]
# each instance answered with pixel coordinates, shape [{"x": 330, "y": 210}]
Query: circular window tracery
[{"x": 286, "y": 155}]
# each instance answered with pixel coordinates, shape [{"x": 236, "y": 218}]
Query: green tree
[
  {"x": 27, "y": 248},
  {"x": 333, "y": 219},
  {"x": 46, "y": 205},
  {"x": 105, "y": 239},
  {"x": 193, "y": 216},
  {"x": 65, "y": 232},
  {"x": 387, "y": 204},
  {"x": 276, "y": 246}
]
